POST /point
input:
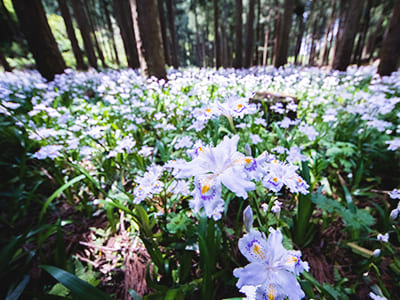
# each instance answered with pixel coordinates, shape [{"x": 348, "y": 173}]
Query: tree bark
[
  {"x": 198, "y": 42},
  {"x": 161, "y": 16},
  {"x": 285, "y": 25},
  {"x": 111, "y": 30},
  {"x": 92, "y": 29},
  {"x": 249, "y": 44},
  {"x": 148, "y": 38},
  {"x": 299, "y": 11},
  {"x": 80, "y": 65},
  {"x": 238, "y": 61},
  {"x": 265, "y": 52},
  {"x": 83, "y": 25},
  {"x": 361, "y": 40},
  {"x": 346, "y": 43},
  {"x": 4, "y": 62},
  {"x": 172, "y": 33},
  {"x": 124, "y": 19},
  {"x": 217, "y": 42},
  {"x": 328, "y": 34},
  {"x": 8, "y": 29},
  {"x": 258, "y": 34},
  {"x": 390, "y": 51},
  {"x": 34, "y": 25}
]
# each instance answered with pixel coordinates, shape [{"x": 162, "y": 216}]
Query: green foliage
[
  {"x": 359, "y": 219},
  {"x": 77, "y": 286}
]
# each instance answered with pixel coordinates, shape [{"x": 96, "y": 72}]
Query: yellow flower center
[
  {"x": 205, "y": 188},
  {"x": 258, "y": 251},
  {"x": 248, "y": 160}
]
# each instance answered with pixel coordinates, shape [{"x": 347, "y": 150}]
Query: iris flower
[
  {"x": 272, "y": 270},
  {"x": 214, "y": 166}
]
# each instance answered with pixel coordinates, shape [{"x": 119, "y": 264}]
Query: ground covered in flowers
[{"x": 258, "y": 183}]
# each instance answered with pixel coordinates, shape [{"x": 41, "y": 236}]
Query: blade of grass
[{"x": 58, "y": 192}]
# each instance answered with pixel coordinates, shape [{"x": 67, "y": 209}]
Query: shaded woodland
[{"x": 218, "y": 33}]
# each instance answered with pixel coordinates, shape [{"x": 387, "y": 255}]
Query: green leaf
[
  {"x": 15, "y": 293},
  {"x": 134, "y": 295},
  {"x": 58, "y": 192},
  {"x": 77, "y": 286}
]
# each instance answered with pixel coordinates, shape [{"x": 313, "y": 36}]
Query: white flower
[
  {"x": 255, "y": 138},
  {"x": 214, "y": 166},
  {"x": 383, "y": 237},
  {"x": 272, "y": 269},
  {"x": 50, "y": 151},
  {"x": 393, "y": 144}
]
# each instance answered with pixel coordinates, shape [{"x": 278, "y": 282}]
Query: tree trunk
[
  {"x": 7, "y": 25},
  {"x": 161, "y": 16},
  {"x": 363, "y": 33},
  {"x": 265, "y": 52},
  {"x": 328, "y": 35},
  {"x": 299, "y": 10},
  {"x": 285, "y": 25},
  {"x": 346, "y": 43},
  {"x": 111, "y": 30},
  {"x": 198, "y": 43},
  {"x": 83, "y": 25},
  {"x": 315, "y": 15},
  {"x": 238, "y": 61},
  {"x": 92, "y": 29},
  {"x": 172, "y": 33},
  {"x": 249, "y": 44},
  {"x": 80, "y": 65},
  {"x": 124, "y": 19},
  {"x": 4, "y": 62},
  {"x": 390, "y": 51},
  {"x": 34, "y": 25},
  {"x": 342, "y": 16},
  {"x": 258, "y": 34},
  {"x": 148, "y": 38},
  {"x": 217, "y": 44}
]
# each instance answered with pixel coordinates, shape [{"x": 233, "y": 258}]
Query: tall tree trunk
[
  {"x": 314, "y": 21},
  {"x": 328, "y": 34},
  {"x": 238, "y": 61},
  {"x": 285, "y": 24},
  {"x": 299, "y": 11},
  {"x": 83, "y": 25},
  {"x": 217, "y": 44},
  {"x": 373, "y": 39},
  {"x": 148, "y": 38},
  {"x": 172, "y": 33},
  {"x": 258, "y": 34},
  {"x": 342, "y": 17},
  {"x": 265, "y": 52},
  {"x": 390, "y": 51},
  {"x": 34, "y": 25},
  {"x": 80, "y": 65},
  {"x": 4, "y": 62},
  {"x": 277, "y": 21},
  {"x": 249, "y": 44},
  {"x": 124, "y": 19},
  {"x": 8, "y": 27},
  {"x": 224, "y": 39},
  {"x": 161, "y": 16},
  {"x": 363, "y": 33},
  {"x": 111, "y": 30},
  {"x": 344, "y": 51},
  {"x": 93, "y": 27},
  {"x": 198, "y": 42}
]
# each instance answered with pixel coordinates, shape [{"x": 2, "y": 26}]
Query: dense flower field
[{"x": 261, "y": 183}]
